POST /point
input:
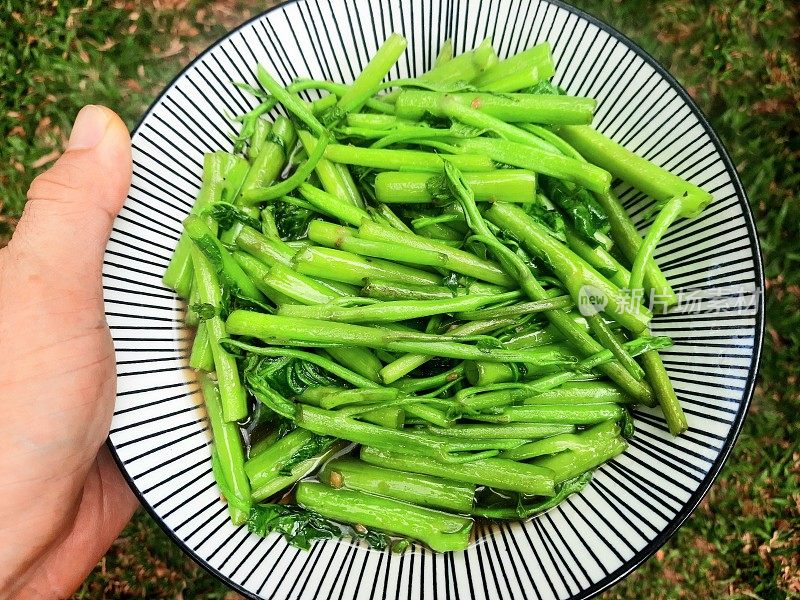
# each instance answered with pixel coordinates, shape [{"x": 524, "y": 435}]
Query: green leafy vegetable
[
  {"x": 543, "y": 211},
  {"x": 289, "y": 376},
  {"x": 226, "y": 214},
  {"x": 257, "y": 382},
  {"x": 312, "y": 448},
  {"x": 284, "y": 426},
  {"x": 298, "y": 525},
  {"x": 536, "y": 266},
  {"x": 628, "y": 426},
  {"x": 292, "y": 220},
  {"x": 204, "y": 310},
  {"x": 232, "y": 299},
  {"x": 437, "y": 187},
  {"x": 376, "y": 539},
  {"x": 222, "y": 483},
  {"x": 209, "y": 247},
  {"x": 445, "y": 255},
  {"x": 276, "y": 139},
  {"x": 401, "y": 546},
  {"x": 578, "y": 204}
]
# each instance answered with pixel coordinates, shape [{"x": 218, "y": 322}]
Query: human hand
[{"x": 62, "y": 498}]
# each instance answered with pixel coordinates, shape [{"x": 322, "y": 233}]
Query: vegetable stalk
[
  {"x": 424, "y": 490},
  {"x": 506, "y": 185},
  {"x": 494, "y": 472},
  {"x": 233, "y": 399},
  {"x": 442, "y": 532},
  {"x": 229, "y": 451},
  {"x": 278, "y": 329},
  {"x": 510, "y": 108}
]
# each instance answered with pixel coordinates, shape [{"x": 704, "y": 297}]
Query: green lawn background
[{"x": 738, "y": 59}]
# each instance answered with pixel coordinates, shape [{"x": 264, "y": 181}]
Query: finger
[
  {"x": 106, "y": 507},
  {"x": 118, "y": 500},
  {"x": 71, "y": 207}
]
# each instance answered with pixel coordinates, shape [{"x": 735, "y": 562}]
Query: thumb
[{"x": 71, "y": 207}]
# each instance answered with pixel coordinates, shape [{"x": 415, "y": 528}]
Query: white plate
[{"x": 634, "y": 504}]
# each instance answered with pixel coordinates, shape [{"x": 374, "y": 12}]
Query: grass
[
  {"x": 738, "y": 59},
  {"x": 57, "y": 55}
]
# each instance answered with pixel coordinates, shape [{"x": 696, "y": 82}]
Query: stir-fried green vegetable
[{"x": 413, "y": 300}]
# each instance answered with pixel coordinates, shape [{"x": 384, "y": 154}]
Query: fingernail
[{"x": 89, "y": 128}]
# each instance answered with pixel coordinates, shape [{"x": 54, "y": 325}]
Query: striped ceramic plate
[{"x": 634, "y": 504}]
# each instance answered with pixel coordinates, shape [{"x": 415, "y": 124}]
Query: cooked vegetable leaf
[
  {"x": 212, "y": 252},
  {"x": 451, "y": 282},
  {"x": 289, "y": 376},
  {"x": 226, "y": 214},
  {"x": 276, "y": 139},
  {"x": 578, "y": 204},
  {"x": 314, "y": 446},
  {"x": 438, "y": 189},
  {"x": 567, "y": 488},
  {"x": 204, "y": 310},
  {"x": 375, "y": 539},
  {"x": 628, "y": 425},
  {"x": 292, "y": 220},
  {"x": 298, "y": 526},
  {"x": 257, "y": 382}
]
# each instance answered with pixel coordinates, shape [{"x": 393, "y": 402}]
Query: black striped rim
[{"x": 619, "y": 472}]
